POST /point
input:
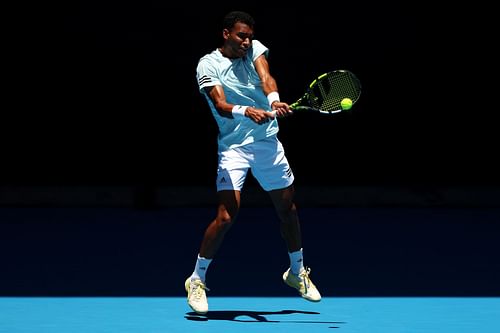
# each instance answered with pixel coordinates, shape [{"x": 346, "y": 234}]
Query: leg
[
  {"x": 296, "y": 276},
  {"x": 289, "y": 220},
  {"x": 229, "y": 203}
]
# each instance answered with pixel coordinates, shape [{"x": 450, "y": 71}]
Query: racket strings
[{"x": 329, "y": 91}]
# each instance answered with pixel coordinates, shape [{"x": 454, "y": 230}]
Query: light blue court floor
[{"x": 244, "y": 314}]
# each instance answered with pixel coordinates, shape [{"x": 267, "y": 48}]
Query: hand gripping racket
[{"x": 330, "y": 93}]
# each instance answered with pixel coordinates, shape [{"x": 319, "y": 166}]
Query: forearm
[{"x": 269, "y": 85}]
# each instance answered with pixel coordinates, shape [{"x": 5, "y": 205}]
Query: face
[{"x": 238, "y": 40}]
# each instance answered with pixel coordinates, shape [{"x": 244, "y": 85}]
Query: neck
[{"x": 227, "y": 53}]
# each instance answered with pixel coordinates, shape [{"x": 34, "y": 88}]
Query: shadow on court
[{"x": 256, "y": 316}]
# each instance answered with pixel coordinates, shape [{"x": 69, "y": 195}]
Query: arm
[
  {"x": 268, "y": 82},
  {"x": 225, "y": 109},
  {"x": 269, "y": 86}
]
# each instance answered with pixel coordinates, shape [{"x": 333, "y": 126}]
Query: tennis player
[{"x": 240, "y": 91}]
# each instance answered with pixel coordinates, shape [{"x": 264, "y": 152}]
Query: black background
[{"x": 105, "y": 93}]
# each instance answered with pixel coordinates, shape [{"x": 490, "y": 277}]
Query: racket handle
[{"x": 274, "y": 113}]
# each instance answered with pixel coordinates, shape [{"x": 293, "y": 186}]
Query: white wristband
[
  {"x": 273, "y": 97},
  {"x": 239, "y": 110}
]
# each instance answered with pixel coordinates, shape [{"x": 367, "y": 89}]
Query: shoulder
[
  {"x": 257, "y": 43},
  {"x": 212, "y": 56},
  {"x": 258, "y": 49},
  {"x": 209, "y": 60}
]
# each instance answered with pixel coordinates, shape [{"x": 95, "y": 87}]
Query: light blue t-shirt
[{"x": 242, "y": 86}]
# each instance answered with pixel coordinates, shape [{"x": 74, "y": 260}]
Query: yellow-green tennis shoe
[
  {"x": 303, "y": 284},
  {"x": 196, "y": 296}
]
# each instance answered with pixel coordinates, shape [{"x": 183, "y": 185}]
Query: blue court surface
[
  {"x": 249, "y": 314},
  {"x": 122, "y": 270}
]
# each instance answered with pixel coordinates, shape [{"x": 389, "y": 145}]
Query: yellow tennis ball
[{"x": 346, "y": 103}]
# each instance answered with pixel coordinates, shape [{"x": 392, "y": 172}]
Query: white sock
[
  {"x": 296, "y": 261},
  {"x": 200, "y": 270}
]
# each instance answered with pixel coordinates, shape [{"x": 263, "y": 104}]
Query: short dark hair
[{"x": 236, "y": 16}]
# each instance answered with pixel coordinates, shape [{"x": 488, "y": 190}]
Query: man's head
[
  {"x": 237, "y": 33},
  {"x": 237, "y": 16}
]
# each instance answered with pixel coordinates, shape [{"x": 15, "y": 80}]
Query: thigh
[
  {"x": 283, "y": 198},
  {"x": 229, "y": 204}
]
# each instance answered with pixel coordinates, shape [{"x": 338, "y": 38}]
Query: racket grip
[{"x": 273, "y": 113}]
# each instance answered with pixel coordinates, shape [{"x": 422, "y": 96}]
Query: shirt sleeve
[
  {"x": 206, "y": 74},
  {"x": 258, "y": 49}
]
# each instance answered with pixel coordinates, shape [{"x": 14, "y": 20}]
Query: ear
[{"x": 225, "y": 33}]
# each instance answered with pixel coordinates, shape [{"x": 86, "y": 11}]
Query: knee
[
  {"x": 224, "y": 221},
  {"x": 287, "y": 209}
]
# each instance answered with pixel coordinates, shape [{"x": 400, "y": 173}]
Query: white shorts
[{"x": 267, "y": 160}]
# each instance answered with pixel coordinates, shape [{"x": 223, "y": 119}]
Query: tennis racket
[{"x": 326, "y": 93}]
